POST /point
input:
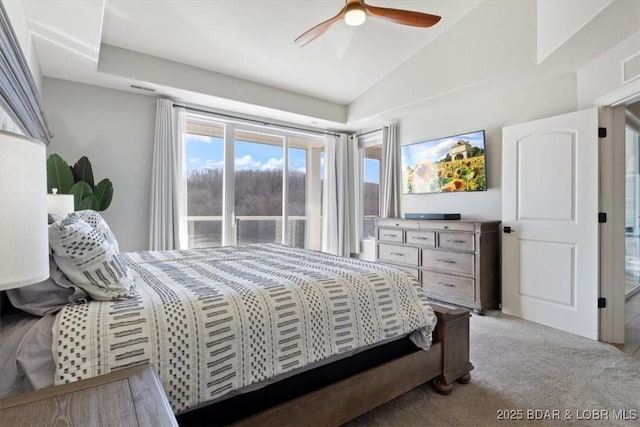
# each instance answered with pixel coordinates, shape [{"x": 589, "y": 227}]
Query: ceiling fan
[{"x": 355, "y": 13}]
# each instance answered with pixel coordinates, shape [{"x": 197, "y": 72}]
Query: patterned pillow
[
  {"x": 96, "y": 220},
  {"x": 89, "y": 260}
]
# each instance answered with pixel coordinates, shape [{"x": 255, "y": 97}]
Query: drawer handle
[
  {"x": 446, "y": 284},
  {"x": 446, "y": 261},
  {"x": 420, "y": 238},
  {"x": 396, "y": 253},
  {"x": 456, "y": 241},
  {"x": 389, "y": 235}
]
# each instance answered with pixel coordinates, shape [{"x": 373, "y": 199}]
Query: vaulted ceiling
[
  {"x": 251, "y": 40},
  {"x": 239, "y": 55}
]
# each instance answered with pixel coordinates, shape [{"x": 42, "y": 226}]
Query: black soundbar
[{"x": 446, "y": 216}]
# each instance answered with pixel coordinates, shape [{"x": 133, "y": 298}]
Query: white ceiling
[{"x": 248, "y": 39}]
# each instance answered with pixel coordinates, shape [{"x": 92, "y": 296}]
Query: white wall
[
  {"x": 463, "y": 56},
  {"x": 603, "y": 75},
  {"x": 558, "y": 21},
  {"x": 485, "y": 108},
  {"x": 115, "y": 130}
]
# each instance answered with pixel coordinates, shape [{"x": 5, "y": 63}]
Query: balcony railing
[{"x": 206, "y": 231}]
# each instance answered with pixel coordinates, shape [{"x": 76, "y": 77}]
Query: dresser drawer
[
  {"x": 397, "y": 223},
  {"x": 454, "y": 262},
  {"x": 449, "y": 286},
  {"x": 398, "y": 254},
  {"x": 457, "y": 241},
  {"x": 448, "y": 225},
  {"x": 421, "y": 238},
  {"x": 390, "y": 235}
]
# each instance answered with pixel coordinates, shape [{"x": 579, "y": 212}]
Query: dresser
[
  {"x": 455, "y": 261},
  {"x": 130, "y": 397}
]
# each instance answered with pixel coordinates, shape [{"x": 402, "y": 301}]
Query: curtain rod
[
  {"x": 369, "y": 132},
  {"x": 260, "y": 122}
]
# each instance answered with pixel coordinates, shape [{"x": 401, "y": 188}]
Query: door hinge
[
  {"x": 602, "y": 132},
  {"x": 602, "y": 302},
  {"x": 602, "y": 217}
]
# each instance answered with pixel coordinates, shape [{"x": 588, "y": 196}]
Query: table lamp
[
  {"x": 59, "y": 204},
  {"x": 24, "y": 247}
]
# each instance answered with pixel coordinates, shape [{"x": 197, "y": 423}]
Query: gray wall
[
  {"x": 489, "y": 108},
  {"x": 115, "y": 130}
]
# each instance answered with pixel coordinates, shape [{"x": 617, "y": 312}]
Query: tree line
[{"x": 257, "y": 192}]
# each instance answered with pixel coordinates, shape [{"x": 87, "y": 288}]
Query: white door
[{"x": 550, "y": 205}]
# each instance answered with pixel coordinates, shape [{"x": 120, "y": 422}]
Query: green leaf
[
  {"x": 59, "y": 175},
  {"x": 80, "y": 190},
  {"x": 104, "y": 193},
  {"x": 89, "y": 202},
  {"x": 82, "y": 171}
]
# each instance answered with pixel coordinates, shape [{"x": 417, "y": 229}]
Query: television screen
[{"x": 454, "y": 163}]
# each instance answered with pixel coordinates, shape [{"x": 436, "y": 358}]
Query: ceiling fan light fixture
[
  {"x": 355, "y": 13},
  {"x": 355, "y": 16}
]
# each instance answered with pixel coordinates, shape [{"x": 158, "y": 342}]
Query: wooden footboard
[
  {"x": 446, "y": 362},
  {"x": 452, "y": 330}
]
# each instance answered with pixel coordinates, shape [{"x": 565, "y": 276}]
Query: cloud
[
  {"x": 247, "y": 162},
  {"x": 437, "y": 151},
  {"x": 194, "y": 159},
  {"x": 272, "y": 163},
  {"x": 213, "y": 164}
]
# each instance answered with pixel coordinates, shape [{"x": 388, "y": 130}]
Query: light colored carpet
[{"x": 523, "y": 366}]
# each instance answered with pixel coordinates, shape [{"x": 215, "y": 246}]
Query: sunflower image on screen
[{"x": 451, "y": 164}]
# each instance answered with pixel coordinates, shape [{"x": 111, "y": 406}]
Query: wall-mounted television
[{"x": 450, "y": 164}]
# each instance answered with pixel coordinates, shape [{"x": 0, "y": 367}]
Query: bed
[{"x": 259, "y": 334}]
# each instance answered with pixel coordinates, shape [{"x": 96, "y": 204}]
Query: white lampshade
[
  {"x": 24, "y": 242},
  {"x": 60, "y": 204}
]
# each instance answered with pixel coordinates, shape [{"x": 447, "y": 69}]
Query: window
[
  {"x": 204, "y": 157},
  {"x": 371, "y": 149},
  {"x": 252, "y": 184}
]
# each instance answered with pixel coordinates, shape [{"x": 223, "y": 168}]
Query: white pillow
[
  {"x": 89, "y": 260},
  {"x": 94, "y": 219}
]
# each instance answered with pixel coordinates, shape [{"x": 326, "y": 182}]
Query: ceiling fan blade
[
  {"x": 318, "y": 30},
  {"x": 405, "y": 17}
]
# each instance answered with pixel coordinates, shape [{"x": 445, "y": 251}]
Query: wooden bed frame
[{"x": 345, "y": 399}]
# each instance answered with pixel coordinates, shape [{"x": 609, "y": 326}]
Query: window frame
[
  {"x": 229, "y": 236},
  {"x": 368, "y": 140}
]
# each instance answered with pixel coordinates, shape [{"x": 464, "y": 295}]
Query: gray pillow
[
  {"x": 48, "y": 296},
  {"x": 51, "y": 218},
  {"x": 92, "y": 263}
]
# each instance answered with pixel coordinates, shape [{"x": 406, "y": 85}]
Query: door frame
[{"x": 612, "y": 201}]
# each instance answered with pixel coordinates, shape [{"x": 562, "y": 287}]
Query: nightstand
[{"x": 129, "y": 397}]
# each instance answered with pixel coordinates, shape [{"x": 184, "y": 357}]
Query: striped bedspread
[{"x": 217, "y": 320}]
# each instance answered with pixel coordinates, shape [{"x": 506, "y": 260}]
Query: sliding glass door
[
  {"x": 204, "y": 147},
  {"x": 248, "y": 184},
  {"x": 632, "y": 212},
  {"x": 258, "y": 185}
]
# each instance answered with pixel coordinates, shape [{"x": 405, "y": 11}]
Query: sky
[
  {"x": 436, "y": 149},
  {"x": 207, "y": 152}
]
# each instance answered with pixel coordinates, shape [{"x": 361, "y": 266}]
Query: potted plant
[{"x": 78, "y": 180}]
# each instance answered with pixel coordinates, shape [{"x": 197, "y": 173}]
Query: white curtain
[
  {"x": 390, "y": 179},
  {"x": 339, "y": 230},
  {"x": 168, "y": 224}
]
